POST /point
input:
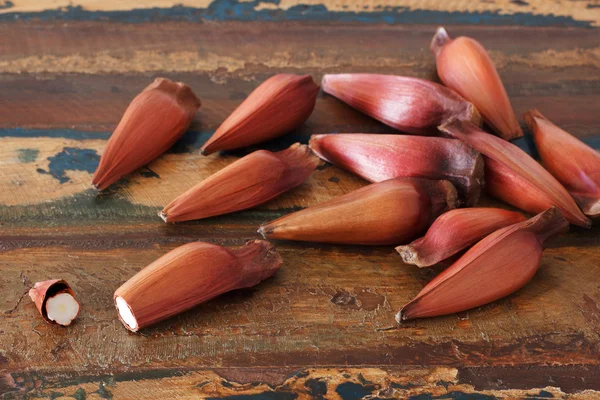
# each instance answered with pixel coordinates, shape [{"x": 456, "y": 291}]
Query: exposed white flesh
[
  {"x": 62, "y": 308},
  {"x": 126, "y": 314}
]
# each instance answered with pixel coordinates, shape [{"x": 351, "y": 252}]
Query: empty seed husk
[
  {"x": 381, "y": 157},
  {"x": 152, "y": 123},
  {"x": 246, "y": 183},
  {"x": 55, "y": 300},
  {"x": 465, "y": 66},
  {"x": 189, "y": 275},
  {"x": 575, "y": 164},
  {"x": 495, "y": 267},
  {"x": 280, "y": 104},
  {"x": 408, "y": 104},
  {"x": 389, "y": 212},
  {"x": 513, "y": 176},
  {"x": 454, "y": 231}
]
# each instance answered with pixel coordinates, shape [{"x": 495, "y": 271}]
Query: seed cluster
[{"x": 418, "y": 181}]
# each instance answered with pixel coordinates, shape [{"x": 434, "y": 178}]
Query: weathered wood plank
[
  {"x": 545, "y": 71},
  {"x": 61, "y": 164},
  {"x": 329, "y": 305},
  {"x": 282, "y": 384},
  {"x": 491, "y": 12},
  {"x": 64, "y": 88}
]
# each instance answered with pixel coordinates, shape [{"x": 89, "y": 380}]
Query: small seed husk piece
[
  {"x": 408, "y": 104},
  {"x": 381, "y": 157},
  {"x": 152, "y": 123},
  {"x": 390, "y": 212},
  {"x": 55, "y": 300},
  {"x": 454, "y": 231},
  {"x": 514, "y": 177},
  {"x": 575, "y": 164},
  {"x": 190, "y": 275},
  {"x": 278, "y": 105},
  {"x": 464, "y": 66},
  {"x": 498, "y": 265},
  {"x": 246, "y": 183}
]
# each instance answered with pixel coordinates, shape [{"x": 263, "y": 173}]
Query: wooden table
[{"x": 323, "y": 327}]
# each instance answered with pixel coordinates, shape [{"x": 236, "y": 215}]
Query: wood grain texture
[
  {"x": 492, "y": 12},
  {"x": 274, "y": 383},
  {"x": 323, "y": 327}
]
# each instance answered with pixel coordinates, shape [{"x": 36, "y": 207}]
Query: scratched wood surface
[{"x": 323, "y": 327}]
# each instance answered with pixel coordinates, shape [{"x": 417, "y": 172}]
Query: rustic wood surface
[{"x": 323, "y": 327}]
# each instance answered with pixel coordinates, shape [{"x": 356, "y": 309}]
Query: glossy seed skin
[
  {"x": 190, "y": 275},
  {"x": 454, "y": 231},
  {"x": 153, "y": 122},
  {"x": 381, "y": 157},
  {"x": 465, "y": 66},
  {"x": 411, "y": 105},
  {"x": 498, "y": 265},
  {"x": 277, "y": 106},
  {"x": 389, "y": 212},
  {"x": 246, "y": 183},
  {"x": 516, "y": 178},
  {"x": 575, "y": 164}
]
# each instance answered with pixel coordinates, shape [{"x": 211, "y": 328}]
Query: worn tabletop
[{"x": 324, "y": 326}]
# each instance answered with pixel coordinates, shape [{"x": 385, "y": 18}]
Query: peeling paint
[
  {"x": 71, "y": 159},
  {"x": 354, "y": 391},
  {"x": 255, "y": 10},
  {"x": 28, "y": 155}
]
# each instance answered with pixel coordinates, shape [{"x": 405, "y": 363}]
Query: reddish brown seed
[
  {"x": 246, "y": 183},
  {"x": 389, "y": 212},
  {"x": 280, "y": 104},
  {"x": 189, "y": 275},
  {"x": 454, "y": 231},
  {"x": 497, "y": 266},
  {"x": 408, "y": 104},
  {"x": 513, "y": 176},
  {"x": 465, "y": 66},
  {"x": 152, "y": 123},
  {"x": 575, "y": 164},
  {"x": 55, "y": 300},
  {"x": 381, "y": 157}
]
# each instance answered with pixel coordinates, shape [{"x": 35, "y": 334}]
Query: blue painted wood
[
  {"x": 192, "y": 140},
  {"x": 235, "y": 10}
]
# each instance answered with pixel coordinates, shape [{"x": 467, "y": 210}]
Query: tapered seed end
[
  {"x": 530, "y": 116},
  {"x": 400, "y": 317},
  {"x": 409, "y": 254},
  {"x": 590, "y": 207},
  {"x": 163, "y": 216},
  {"x": 265, "y": 231},
  {"x": 440, "y": 39},
  {"x": 325, "y": 82},
  {"x": 473, "y": 115}
]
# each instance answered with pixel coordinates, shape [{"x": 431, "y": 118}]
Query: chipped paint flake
[
  {"x": 317, "y": 383},
  {"x": 363, "y": 10}
]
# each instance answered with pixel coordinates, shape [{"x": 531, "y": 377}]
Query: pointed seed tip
[
  {"x": 530, "y": 115},
  {"x": 400, "y": 317},
  {"x": 263, "y": 232},
  {"x": 408, "y": 254},
  {"x": 439, "y": 40},
  {"x": 163, "y": 216}
]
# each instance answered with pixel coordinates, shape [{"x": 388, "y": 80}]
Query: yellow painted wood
[{"x": 578, "y": 10}]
